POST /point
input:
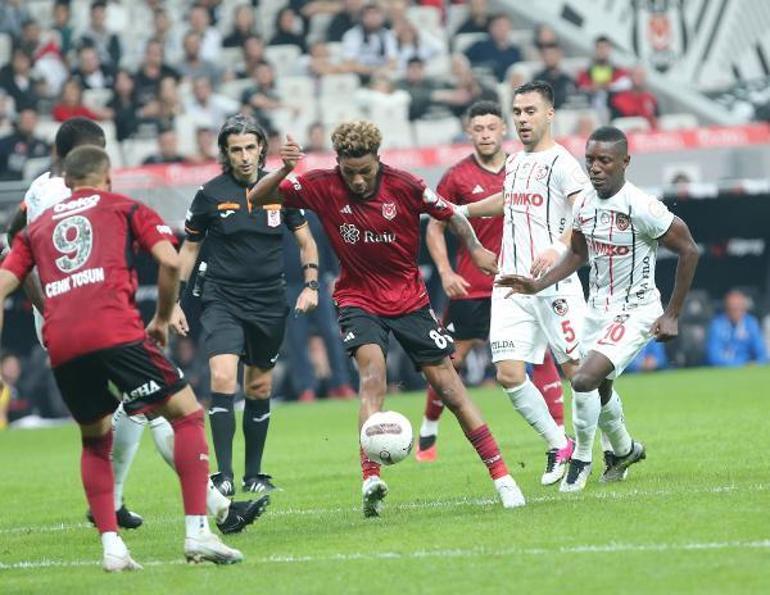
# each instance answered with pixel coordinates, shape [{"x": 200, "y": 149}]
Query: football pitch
[{"x": 693, "y": 518}]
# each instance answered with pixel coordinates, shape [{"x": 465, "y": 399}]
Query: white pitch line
[
  {"x": 608, "y": 548},
  {"x": 431, "y": 504}
]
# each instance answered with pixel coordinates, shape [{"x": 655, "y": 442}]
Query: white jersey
[
  {"x": 621, "y": 233},
  {"x": 537, "y": 209},
  {"x": 46, "y": 191}
]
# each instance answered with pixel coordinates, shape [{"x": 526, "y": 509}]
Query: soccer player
[
  {"x": 80, "y": 249},
  {"x": 244, "y": 305},
  {"x": 616, "y": 228},
  {"x": 371, "y": 214},
  {"x": 46, "y": 191},
  {"x": 475, "y": 178},
  {"x": 541, "y": 183}
]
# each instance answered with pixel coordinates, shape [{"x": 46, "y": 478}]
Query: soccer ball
[{"x": 386, "y": 437}]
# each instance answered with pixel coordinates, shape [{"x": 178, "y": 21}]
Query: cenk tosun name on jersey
[{"x": 73, "y": 281}]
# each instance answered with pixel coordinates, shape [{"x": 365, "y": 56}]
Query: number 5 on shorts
[{"x": 569, "y": 333}]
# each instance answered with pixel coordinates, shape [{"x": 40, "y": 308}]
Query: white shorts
[
  {"x": 523, "y": 326},
  {"x": 620, "y": 336}
]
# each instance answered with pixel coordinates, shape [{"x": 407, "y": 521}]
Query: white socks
[
  {"x": 613, "y": 426},
  {"x": 125, "y": 442},
  {"x": 113, "y": 544},
  {"x": 585, "y": 417},
  {"x": 196, "y": 525},
  {"x": 217, "y": 505},
  {"x": 163, "y": 435},
  {"x": 429, "y": 427},
  {"x": 528, "y": 401}
]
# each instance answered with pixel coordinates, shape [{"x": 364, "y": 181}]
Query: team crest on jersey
[
  {"x": 389, "y": 210},
  {"x": 273, "y": 217},
  {"x": 622, "y": 221},
  {"x": 542, "y": 171},
  {"x": 560, "y": 306},
  {"x": 604, "y": 218}
]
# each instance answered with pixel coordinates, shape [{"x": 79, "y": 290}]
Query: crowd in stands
[{"x": 297, "y": 65}]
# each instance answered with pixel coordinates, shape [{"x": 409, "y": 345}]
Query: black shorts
[
  {"x": 420, "y": 333},
  {"x": 468, "y": 319},
  {"x": 93, "y": 385},
  {"x": 255, "y": 339}
]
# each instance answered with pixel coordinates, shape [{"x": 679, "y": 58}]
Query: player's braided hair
[
  {"x": 240, "y": 124},
  {"x": 356, "y": 139}
]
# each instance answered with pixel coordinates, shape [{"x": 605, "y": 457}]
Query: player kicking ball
[
  {"x": 474, "y": 178},
  {"x": 371, "y": 214},
  {"x": 45, "y": 192},
  {"x": 79, "y": 248},
  {"x": 616, "y": 229}
]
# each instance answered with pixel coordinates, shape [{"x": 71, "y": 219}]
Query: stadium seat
[
  {"x": 567, "y": 121},
  {"x": 283, "y": 58},
  {"x": 235, "y": 88},
  {"x": 463, "y": 41},
  {"x": 339, "y": 85},
  {"x": 335, "y": 52},
  {"x": 296, "y": 91},
  {"x": 36, "y": 166},
  {"x": 426, "y": 18},
  {"x": 456, "y": 15},
  {"x": 334, "y": 112},
  {"x": 232, "y": 58},
  {"x": 698, "y": 306},
  {"x": 6, "y": 45},
  {"x": 319, "y": 23},
  {"x": 439, "y": 66},
  {"x": 574, "y": 66},
  {"x": 632, "y": 124},
  {"x": 677, "y": 121},
  {"x": 136, "y": 150},
  {"x": 96, "y": 97},
  {"x": 429, "y": 133},
  {"x": 46, "y": 129},
  {"x": 525, "y": 69}
]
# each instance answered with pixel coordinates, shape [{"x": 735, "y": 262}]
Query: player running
[
  {"x": 80, "y": 249},
  {"x": 243, "y": 302},
  {"x": 371, "y": 214},
  {"x": 616, "y": 228},
  {"x": 541, "y": 183},
  {"x": 475, "y": 178},
  {"x": 46, "y": 191}
]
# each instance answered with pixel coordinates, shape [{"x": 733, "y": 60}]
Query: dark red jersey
[
  {"x": 84, "y": 249},
  {"x": 376, "y": 239},
  {"x": 464, "y": 183}
]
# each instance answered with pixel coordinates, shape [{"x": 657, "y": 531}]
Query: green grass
[{"x": 693, "y": 518}]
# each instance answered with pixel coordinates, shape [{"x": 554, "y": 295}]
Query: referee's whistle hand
[
  {"x": 306, "y": 302},
  {"x": 179, "y": 321}
]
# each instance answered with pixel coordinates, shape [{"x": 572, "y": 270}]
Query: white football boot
[
  {"x": 576, "y": 477},
  {"x": 119, "y": 562},
  {"x": 509, "y": 492},
  {"x": 373, "y": 491},
  {"x": 208, "y": 547}
]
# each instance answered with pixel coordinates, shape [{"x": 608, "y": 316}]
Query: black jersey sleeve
[
  {"x": 294, "y": 218},
  {"x": 198, "y": 217}
]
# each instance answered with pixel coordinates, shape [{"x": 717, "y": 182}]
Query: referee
[{"x": 243, "y": 299}]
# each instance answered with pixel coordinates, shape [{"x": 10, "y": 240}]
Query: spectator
[
  {"x": 419, "y": 87},
  {"x": 210, "y": 37},
  {"x": 107, "y": 44},
  {"x": 70, "y": 105},
  {"x": 345, "y": 20},
  {"x": 316, "y": 139},
  {"x": 636, "y": 101},
  {"x": 318, "y": 61},
  {"x": 412, "y": 43},
  {"x": 124, "y": 106},
  {"x": 601, "y": 77},
  {"x": 194, "y": 65},
  {"x": 168, "y": 149},
  {"x": 651, "y": 358},
  {"x": 464, "y": 89},
  {"x": 151, "y": 72},
  {"x": 47, "y": 60},
  {"x": 208, "y": 109},
  {"x": 253, "y": 50},
  {"x": 62, "y": 27},
  {"x": 288, "y": 30},
  {"x": 17, "y": 80},
  {"x": 90, "y": 72},
  {"x": 478, "y": 18},
  {"x": 243, "y": 26},
  {"x": 21, "y": 145},
  {"x": 562, "y": 84},
  {"x": 369, "y": 47},
  {"x": 205, "y": 148},
  {"x": 734, "y": 337},
  {"x": 168, "y": 35},
  {"x": 381, "y": 91},
  {"x": 497, "y": 52},
  {"x": 545, "y": 36},
  {"x": 13, "y": 14},
  {"x": 263, "y": 97}
]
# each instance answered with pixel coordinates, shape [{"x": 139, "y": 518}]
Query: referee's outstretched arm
[{"x": 266, "y": 190}]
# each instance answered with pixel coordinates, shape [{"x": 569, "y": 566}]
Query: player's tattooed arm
[
  {"x": 679, "y": 240},
  {"x": 491, "y": 206},
  {"x": 485, "y": 260},
  {"x": 572, "y": 261},
  {"x": 265, "y": 191}
]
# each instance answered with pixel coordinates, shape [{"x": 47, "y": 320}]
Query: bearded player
[
  {"x": 475, "y": 178},
  {"x": 616, "y": 229},
  {"x": 371, "y": 214}
]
